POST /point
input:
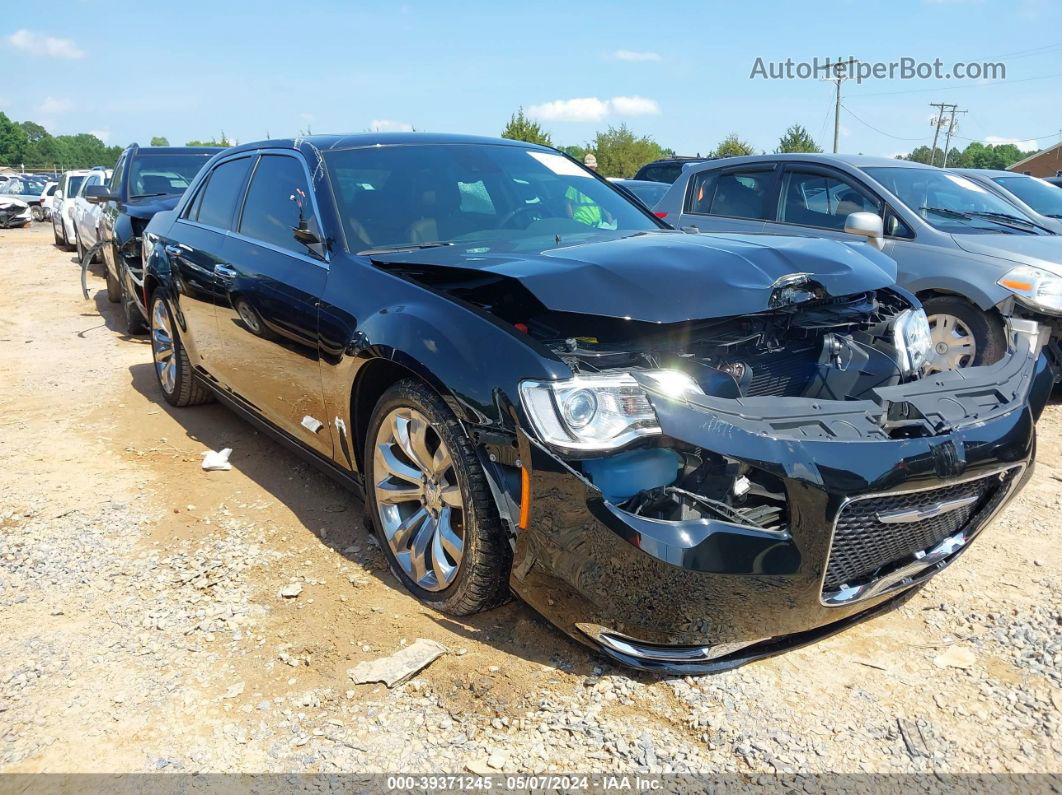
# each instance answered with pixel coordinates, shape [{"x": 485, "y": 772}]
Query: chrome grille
[{"x": 864, "y": 547}]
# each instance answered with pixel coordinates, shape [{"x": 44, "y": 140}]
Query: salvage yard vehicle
[
  {"x": 686, "y": 451},
  {"x": 86, "y": 216},
  {"x": 145, "y": 181},
  {"x": 27, "y": 188},
  {"x": 63, "y": 207},
  {"x": 972, "y": 258},
  {"x": 14, "y": 213},
  {"x": 1038, "y": 199}
]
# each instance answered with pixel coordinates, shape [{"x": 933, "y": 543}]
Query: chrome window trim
[{"x": 868, "y": 591}]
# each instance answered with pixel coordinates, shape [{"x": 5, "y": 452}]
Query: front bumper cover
[{"x": 703, "y": 595}]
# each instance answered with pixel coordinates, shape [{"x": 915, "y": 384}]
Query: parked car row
[{"x": 686, "y": 449}]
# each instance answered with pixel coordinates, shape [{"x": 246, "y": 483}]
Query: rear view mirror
[{"x": 866, "y": 225}]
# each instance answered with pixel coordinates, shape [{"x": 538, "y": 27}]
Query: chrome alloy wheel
[
  {"x": 418, "y": 499},
  {"x": 162, "y": 349},
  {"x": 954, "y": 344}
]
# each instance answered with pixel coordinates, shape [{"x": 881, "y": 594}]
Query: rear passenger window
[
  {"x": 737, "y": 194},
  {"x": 215, "y": 204},
  {"x": 276, "y": 201}
]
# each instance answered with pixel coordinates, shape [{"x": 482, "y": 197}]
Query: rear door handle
[{"x": 224, "y": 272}]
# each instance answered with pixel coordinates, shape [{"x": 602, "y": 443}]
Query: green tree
[
  {"x": 13, "y": 142},
  {"x": 797, "y": 139},
  {"x": 733, "y": 146},
  {"x": 576, "y": 151},
  {"x": 223, "y": 141},
  {"x": 521, "y": 128},
  {"x": 159, "y": 140},
  {"x": 620, "y": 152}
]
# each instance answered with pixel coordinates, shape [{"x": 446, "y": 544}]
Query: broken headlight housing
[
  {"x": 597, "y": 412},
  {"x": 912, "y": 340}
]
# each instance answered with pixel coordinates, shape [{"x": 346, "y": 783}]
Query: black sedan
[{"x": 687, "y": 451}]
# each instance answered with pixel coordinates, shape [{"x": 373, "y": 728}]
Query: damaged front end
[
  {"x": 14, "y": 213},
  {"x": 774, "y": 477}
]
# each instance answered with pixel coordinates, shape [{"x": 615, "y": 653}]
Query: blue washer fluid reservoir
[{"x": 624, "y": 475}]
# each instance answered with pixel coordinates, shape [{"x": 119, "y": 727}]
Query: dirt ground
[{"x": 142, "y": 629}]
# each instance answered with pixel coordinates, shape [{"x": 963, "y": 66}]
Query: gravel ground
[{"x": 142, "y": 626}]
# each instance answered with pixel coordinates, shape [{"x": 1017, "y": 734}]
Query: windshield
[
  {"x": 161, "y": 174},
  {"x": 1042, "y": 196},
  {"x": 394, "y": 196},
  {"x": 952, "y": 203}
]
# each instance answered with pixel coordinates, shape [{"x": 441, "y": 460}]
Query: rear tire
[
  {"x": 482, "y": 577},
  {"x": 114, "y": 289},
  {"x": 59, "y": 242},
  {"x": 955, "y": 323},
  {"x": 37, "y": 213},
  {"x": 172, "y": 368}
]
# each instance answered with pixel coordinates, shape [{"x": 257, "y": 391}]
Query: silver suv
[{"x": 971, "y": 257}]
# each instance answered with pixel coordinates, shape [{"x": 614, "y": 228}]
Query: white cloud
[
  {"x": 635, "y": 106},
  {"x": 1026, "y": 143},
  {"x": 635, "y": 55},
  {"x": 51, "y": 106},
  {"x": 103, "y": 135},
  {"x": 579, "y": 109},
  {"x": 40, "y": 44},
  {"x": 593, "y": 109},
  {"x": 390, "y": 125}
]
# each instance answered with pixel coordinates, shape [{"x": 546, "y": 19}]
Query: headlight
[
  {"x": 599, "y": 411},
  {"x": 911, "y": 338},
  {"x": 1039, "y": 288}
]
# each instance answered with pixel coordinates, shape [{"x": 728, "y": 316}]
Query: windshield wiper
[
  {"x": 1006, "y": 219},
  {"x": 401, "y": 247},
  {"x": 948, "y": 213},
  {"x": 147, "y": 195}
]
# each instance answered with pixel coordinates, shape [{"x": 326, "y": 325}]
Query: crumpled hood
[
  {"x": 147, "y": 207},
  {"x": 669, "y": 277},
  {"x": 1043, "y": 251}
]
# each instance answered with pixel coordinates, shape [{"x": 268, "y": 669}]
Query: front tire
[
  {"x": 963, "y": 335},
  {"x": 60, "y": 242},
  {"x": 37, "y": 213},
  {"x": 172, "y": 367},
  {"x": 430, "y": 505},
  {"x": 134, "y": 321}
]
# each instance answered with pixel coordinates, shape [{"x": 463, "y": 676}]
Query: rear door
[
  {"x": 269, "y": 293},
  {"x": 198, "y": 247},
  {"x": 734, "y": 199}
]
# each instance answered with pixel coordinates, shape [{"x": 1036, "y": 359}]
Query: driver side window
[{"x": 815, "y": 199}]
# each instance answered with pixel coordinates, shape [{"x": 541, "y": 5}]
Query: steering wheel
[{"x": 526, "y": 209}]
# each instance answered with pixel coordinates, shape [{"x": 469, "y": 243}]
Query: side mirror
[
  {"x": 97, "y": 194},
  {"x": 58, "y": 194},
  {"x": 310, "y": 239},
  {"x": 866, "y": 225}
]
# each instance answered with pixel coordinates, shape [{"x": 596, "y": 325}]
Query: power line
[
  {"x": 875, "y": 129},
  {"x": 957, "y": 86}
]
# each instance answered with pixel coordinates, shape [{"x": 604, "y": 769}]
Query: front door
[{"x": 269, "y": 291}]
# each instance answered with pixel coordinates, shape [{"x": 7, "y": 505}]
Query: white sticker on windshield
[
  {"x": 962, "y": 182},
  {"x": 559, "y": 165}
]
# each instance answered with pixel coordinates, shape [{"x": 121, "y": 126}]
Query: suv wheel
[
  {"x": 962, "y": 334},
  {"x": 37, "y": 212},
  {"x": 60, "y": 242},
  {"x": 134, "y": 321},
  {"x": 430, "y": 505},
  {"x": 172, "y": 368}
]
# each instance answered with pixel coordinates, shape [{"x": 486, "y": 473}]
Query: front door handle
[
  {"x": 173, "y": 251},
  {"x": 225, "y": 272}
]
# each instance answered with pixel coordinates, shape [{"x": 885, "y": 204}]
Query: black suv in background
[
  {"x": 666, "y": 169},
  {"x": 145, "y": 181}
]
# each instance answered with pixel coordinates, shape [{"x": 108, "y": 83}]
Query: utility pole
[
  {"x": 839, "y": 70},
  {"x": 947, "y": 138},
  {"x": 936, "y": 129}
]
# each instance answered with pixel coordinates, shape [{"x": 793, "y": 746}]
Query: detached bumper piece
[{"x": 882, "y": 543}]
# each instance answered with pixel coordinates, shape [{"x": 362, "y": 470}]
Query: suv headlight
[
  {"x": 911, "y": 338},
  {"x": 597, "y": 411},
  {"x": 1038, "y": 288}
]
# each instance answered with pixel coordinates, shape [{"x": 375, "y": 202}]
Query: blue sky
[{"x": 677, "y": 71}]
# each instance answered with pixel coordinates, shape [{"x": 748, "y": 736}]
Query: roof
[
  {"x": 856, "y": 161},
  {"x": 1025, "y": 160},
  {"x": 356, "y": 140},
  {"x": 984, "y": 172},
  {"x": 179, "y": 150}
]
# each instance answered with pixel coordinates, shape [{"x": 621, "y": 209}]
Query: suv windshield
[
  {"x": 1042, "y": 196},
  {"x": 161, "y": 174},
  {"x": 397, "y": 196},
  {"x": 952, "y": 203}
]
